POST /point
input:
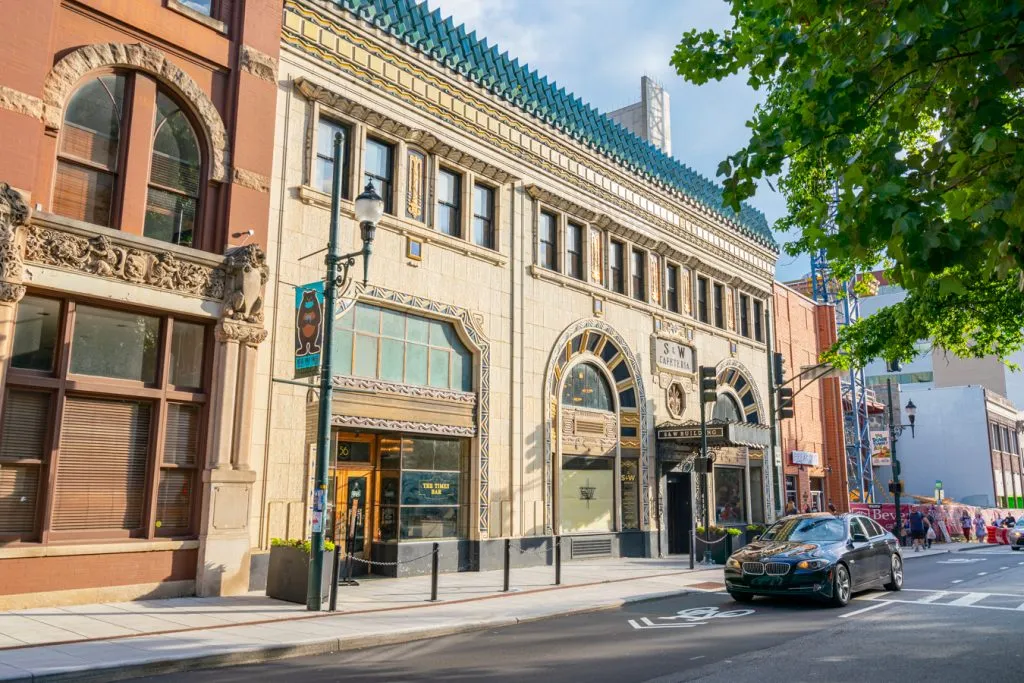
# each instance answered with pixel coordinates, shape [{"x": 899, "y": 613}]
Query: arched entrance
[{"x": 596, "y": 440}]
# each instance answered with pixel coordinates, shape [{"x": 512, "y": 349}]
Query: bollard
[
  {"x": 693, "y": 544},
  {"x": 433, "y": 574},
  {"x": 558, "y": 560},
  {"x": 508, "y": 557},
  {"x": 334, "y": 577}
]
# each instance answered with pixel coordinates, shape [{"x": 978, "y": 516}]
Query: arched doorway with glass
[{"x": 589, "y": 463}]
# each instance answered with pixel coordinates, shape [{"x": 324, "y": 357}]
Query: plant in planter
[
  {"x": 288, "y": 574},
  {"x": 717, "y": 540}
]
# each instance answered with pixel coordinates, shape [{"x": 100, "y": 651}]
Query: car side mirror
[{"x": 859, "y": 538}]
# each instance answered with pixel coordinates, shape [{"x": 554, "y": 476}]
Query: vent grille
[
  {"x": 776, "y": 568},
  {"x": 753, "y": 568},
  {"x": 593, "y": 427},
  {"x": 591, "y": 547}
]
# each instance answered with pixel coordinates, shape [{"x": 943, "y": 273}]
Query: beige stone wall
[{"x": 522, "y": 311}]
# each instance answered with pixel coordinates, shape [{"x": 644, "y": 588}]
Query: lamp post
[
  {"x": 895, "y": 431},
  {"x": 369, "y": 209}
]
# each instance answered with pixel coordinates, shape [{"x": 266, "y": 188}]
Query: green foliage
[
  {"x": 304, "y": 545},
  {"x": 902, "y": 122},
  {"x": 719, "y": 530},
  {"x": 756, "y": 528},
  {"x": 732, "y": 531}
]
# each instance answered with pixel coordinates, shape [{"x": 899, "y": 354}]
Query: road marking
[
  {"x": 950, "y": 604},
  {"x": 695, "y": 616},
  {"x": 934, "y": 597},
  {"x": 967, "y": 600},
  {"x": 878, "y": 603},
  {"x": 646, "y": 623},
  {"x": 932, "y": 590},
  {"x": 697, "y": 657},
  {"x": 1004, "y": 567},
  {"x": 982, "y": 573},
  {"x": 962, "y": 560},
  {"x": 958, "y": 580}
]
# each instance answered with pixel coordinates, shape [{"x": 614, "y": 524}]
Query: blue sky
[{"x": 599, "y": 49}]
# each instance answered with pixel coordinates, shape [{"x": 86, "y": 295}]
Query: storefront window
[
  {"x": 730, "y": 497},
  {"x": 100, "y": 483},
  {"x": 587, "y": 494},
  {"x": 431, "y": 487},
  {"x": 630, "y": 491},
  {"x": 400, "y": 347},
  {"x": 586, "y": 387}
]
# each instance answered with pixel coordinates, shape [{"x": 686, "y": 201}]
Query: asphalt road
[{"x": 959, "y": 618}]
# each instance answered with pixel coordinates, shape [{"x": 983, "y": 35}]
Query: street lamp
[
  {"x": 895, "y": 431},
  {"x": 369, "y": 209}
]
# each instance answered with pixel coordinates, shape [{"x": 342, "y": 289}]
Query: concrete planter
[
  {"x": 288, "y": 574},
  {"x": 720, "y": 549}
]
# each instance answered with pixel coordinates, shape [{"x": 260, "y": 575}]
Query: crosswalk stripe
[
  {"x": 968, "y": 599},
  {"x": 933, "y": 597}
]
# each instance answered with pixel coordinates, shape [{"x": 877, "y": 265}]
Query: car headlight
[
  {"x": 812, "y": 564},
  {"x": 733, "y": 563}
]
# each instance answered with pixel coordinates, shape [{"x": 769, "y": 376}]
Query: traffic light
[
  {"x": 895, "y": 487},
  {"x": 708, "y": 385},
  {"x": 780, "y": 369},
  {"x": 893, "y": 366},
  {"x": 785, "y": 403}
]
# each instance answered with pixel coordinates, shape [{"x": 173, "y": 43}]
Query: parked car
[{"x": 821, "y": 555}]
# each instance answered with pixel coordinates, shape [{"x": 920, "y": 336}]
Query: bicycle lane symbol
[{"x": 689, "y": 618}]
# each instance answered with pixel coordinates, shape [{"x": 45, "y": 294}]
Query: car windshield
[{"x": 806, "y": 529}]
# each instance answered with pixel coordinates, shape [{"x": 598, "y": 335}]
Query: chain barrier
[
  {"x": 376, "y": 563},
  {"x": 705, "y": 541}
]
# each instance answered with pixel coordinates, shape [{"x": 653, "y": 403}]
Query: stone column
[
  {"x": 224, "y": 545},
  {"x": 13, "y": 215}
]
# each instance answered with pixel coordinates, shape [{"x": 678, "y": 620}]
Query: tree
[{"x": 904, "y": 119}]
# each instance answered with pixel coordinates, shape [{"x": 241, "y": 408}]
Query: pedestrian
[
  {"x": 929, "y": 532},
  {"x": 979, "y": 527},
  {"x": 831, "y": 506},
  {"x": 790, "y": 507},
  {"x": 917, "y": 531},
  {"x": 1009, "y": 522},
  {"x": 965, "y": 525}
]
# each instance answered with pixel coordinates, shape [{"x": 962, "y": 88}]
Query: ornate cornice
[
  {"x": 118, "y": 259},
  {"x": 14, "y": 214},
  {"x": 401, "y": 426},
  {"x": 243, "y": 333},
  {"x": 421, "y": 138},
  {"x": 380, "y": 386},
  {"x": 69, "y": 71}
]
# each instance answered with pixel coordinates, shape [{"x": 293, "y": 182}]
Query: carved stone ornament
[
  {"x": 100, "y": 255},
  {"x": 247, "y": 275},
  {"x": 243, "y": 333},
  {"x": 675, "y": 400},
  {"x": 259, "y": 64},
  {"x": 368, "y": 384},
  {"x": 14, "y": 214}
]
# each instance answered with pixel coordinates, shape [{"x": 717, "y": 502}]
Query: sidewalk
[{"x": 125, "y": 640}]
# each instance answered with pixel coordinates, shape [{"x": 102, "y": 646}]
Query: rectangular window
[
  {"x": 449, "y": 203},
  {"x": 617, "y": 265},
  {"x": 719, "y": 310},
  {"x": 116, "y": 344},
  {"x": 730, "y": 496},
  {"x": 201, "y": 6},
  {"x": 672, "y": 288},
  {"x": 483, "y": 216},
  {"x": 758, "y": 320},
  {"x": 548, "y": 241},
  {"x": 745, "y": 315},
  {"x": 188, "y": 340},
  {"x": 637, "y": 273},
  {"x": 325, "y": 163},
  {"x": 23, "y": 452},
  {"x": 36, "y": 331},
  {"x": 702, "y": 299},
  {"x": 587, "y": 494},
  {"x": 174, "y": 501},
  {"x": 379, "y": 170},
  {"x": 433, "y": 488},
  {"x": 574, "y": 250}
]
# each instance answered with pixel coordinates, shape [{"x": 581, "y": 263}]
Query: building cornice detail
[
  {"x": 347, "y": 383},
  {"x": 538, "y": 193},
  {"x": 401, "y": 426}
]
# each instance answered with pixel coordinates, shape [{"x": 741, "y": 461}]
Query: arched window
[
  {"x": 90, "y": 146},
  {"x": 586, "y": 387},
  {"x": 97, "y": 164},
  {"x": 174, "y": 176},
  {"x": 726, "y": 409}
]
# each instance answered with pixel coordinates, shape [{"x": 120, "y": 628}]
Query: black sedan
[{"x": 821, "y": 555}]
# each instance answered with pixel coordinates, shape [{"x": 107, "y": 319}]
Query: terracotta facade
[{"x": 133, "y": 223}]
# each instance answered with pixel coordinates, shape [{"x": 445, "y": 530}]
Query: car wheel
[
  {"x": 895, "y": 574},
  {"x": 741, "y": 597},
  {"x": 842, "y": 586}
]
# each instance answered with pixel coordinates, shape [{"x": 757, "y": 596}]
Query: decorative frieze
[
  {"x": 107, "y": 257},
  {"x": 14, "y": 213},
  {"x": 380, "y": 386},
  {"x": 243, "y": 333},
  {"x": 415, "y": 199},
  {"x": 401, "y": 426},
  {"x": 560, "y": 203}
]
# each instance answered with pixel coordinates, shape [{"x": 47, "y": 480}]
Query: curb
[{"x": 268, "y": 652}]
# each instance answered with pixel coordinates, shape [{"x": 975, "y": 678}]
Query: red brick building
[
  {"x": 134, "y": 197},
  {"x": 812, "y": 443}
]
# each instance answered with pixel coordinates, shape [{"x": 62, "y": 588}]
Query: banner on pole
[
  {"x": 880, "y": 455},
  {"x": 309, "y": 328}
]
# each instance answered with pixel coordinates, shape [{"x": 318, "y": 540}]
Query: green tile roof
[{"x": 437, "y": 36}]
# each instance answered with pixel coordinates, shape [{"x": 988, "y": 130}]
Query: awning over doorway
[{"x": 675, "y": 440}]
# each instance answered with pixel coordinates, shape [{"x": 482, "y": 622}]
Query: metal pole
[
  {"x": 704, "y": 480},
  {"x": 508, "y": 557},
  {"x": 773, "y": 423},
  {"x": 433, "y": 573},
  {"x": 335, "y": 571},
  {"x": 693, "y": 543},
  {"x": 314, "y": 590},
  {"x": 895, "y": 462},
  {"x": 558, "y": 560}
]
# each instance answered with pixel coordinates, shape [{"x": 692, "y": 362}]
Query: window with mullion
[
  {"x": 702, "y": 300},
  {"x": 548, "y": 230},
  {"x": 574, "y": 250},
  {"x": 379, "y": 170},
  {"x": 174, "y": 180},
  {"x": 636, "y": 269},
  {"x": 719, "y": 295},
  {"x": 744, "y": 315},
  {"x": 483, "y": 216},
  {"x": 758, "y": 320},
  {"x": 672, "y": 288},
  {"x": 449, "y": 203},
  {"x": 617, "y": 265},
  {"x": 325, "y": 163}
]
